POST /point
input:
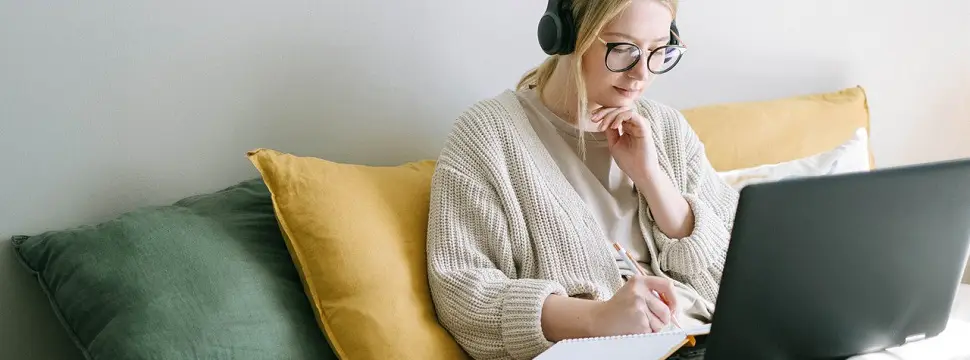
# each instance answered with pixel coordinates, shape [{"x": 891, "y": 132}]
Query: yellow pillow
[
  {"x": 746, "y": 134},
  {"x": 357, "y": 235}
]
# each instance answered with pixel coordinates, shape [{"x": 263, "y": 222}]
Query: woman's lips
[{"x": 625, "y": 92}]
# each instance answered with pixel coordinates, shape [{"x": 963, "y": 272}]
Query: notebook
[{"x": 640, "y": 346}]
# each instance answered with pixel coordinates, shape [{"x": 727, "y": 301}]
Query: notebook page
[
  {"x": 644, "y": 346},
  {"x": 693, "y": 330},
  {"x": 698, "y": 330}
]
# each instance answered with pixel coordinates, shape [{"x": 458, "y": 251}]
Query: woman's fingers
[
  {"x": 646, "y": 290},
  {"x": 602, "y": 114},
  {"x": 608, "y": 122},
  {"x": 655, "y": 324},
  {"x": 659, "y": 309},
  {"x": 612, "y": 138},
  {"x": 664, "y": 288},
  {"x": 615, "y": 120},
  {"x": 621, "y": 120}
]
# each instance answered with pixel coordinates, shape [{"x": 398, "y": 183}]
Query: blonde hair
[{"x": 591, "y": 16}]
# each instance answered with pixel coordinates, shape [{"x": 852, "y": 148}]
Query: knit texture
[{"x": 506, "y": 229}]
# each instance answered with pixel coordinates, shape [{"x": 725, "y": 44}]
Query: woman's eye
[{"x": 625, "y": 49}]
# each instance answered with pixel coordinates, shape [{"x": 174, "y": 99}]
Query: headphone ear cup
[
  {"x": 556, "y": 32},
  {"x": 550, "y": 33}
]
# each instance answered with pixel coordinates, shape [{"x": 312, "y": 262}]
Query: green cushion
[{"x": 208, "y": 277}]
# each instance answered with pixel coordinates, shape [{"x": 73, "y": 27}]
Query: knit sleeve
[
  {"x": 697, "y": 259},
  {"x": 478, "y": 298}
]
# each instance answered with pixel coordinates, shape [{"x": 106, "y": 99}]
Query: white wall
[
  {"x": 913, "y": 58},
  {"x": 111, "y": 106},
  {"x": 106, "y": 106}
]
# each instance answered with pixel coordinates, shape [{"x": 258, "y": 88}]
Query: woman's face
[{"x": 645, "y": 23}]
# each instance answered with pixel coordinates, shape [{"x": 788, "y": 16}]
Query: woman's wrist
[
  {"x": 667, "y": 205},
  {"x": 568, "y": 318},
  {"x": 647, "y": 178}
]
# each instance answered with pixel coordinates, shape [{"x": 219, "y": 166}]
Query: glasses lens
[
  {"x": 664, "y": 58},
  {"x": 621, "y": 57}
]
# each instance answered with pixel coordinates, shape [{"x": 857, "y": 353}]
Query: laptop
[{"x": 841, "y": 265}]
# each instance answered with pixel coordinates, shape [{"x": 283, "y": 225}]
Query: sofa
[{"x": 315, "y": 259}]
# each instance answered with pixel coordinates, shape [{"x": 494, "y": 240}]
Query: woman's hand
[
  {"x": 631, "y": 144},
  {"x": 629, "y": 139},
  {"x": 635, "y": 309}
]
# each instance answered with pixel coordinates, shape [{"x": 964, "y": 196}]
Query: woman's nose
[{"x": 639, "y": 71}]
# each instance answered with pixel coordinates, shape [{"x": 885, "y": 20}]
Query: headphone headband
[
  {"x": 674, "y": 34},
  {"x": 557, "y": 30}
]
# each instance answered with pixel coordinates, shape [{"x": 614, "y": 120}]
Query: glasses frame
[{"x": 611, "y": 45}]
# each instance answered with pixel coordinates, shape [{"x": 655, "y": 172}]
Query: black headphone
[{"x": 557, "y": 30}]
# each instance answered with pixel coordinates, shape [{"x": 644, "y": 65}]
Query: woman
[{"x": 534, "y": 187}]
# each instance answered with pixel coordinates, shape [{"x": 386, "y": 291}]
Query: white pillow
[{"x": 851, "y": 156}]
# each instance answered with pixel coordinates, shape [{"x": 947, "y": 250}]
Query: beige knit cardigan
[{"x": 506, "y": 229}]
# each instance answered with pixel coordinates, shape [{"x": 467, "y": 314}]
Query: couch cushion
[
  {"x": 208, "y": 277},
  {"x": 357, "y": 233},
  {"x": 746, "y": 134},
  {"x": 852, "y": 156}
]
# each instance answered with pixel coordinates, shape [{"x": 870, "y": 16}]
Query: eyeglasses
[{"x": 623, "y": 56}]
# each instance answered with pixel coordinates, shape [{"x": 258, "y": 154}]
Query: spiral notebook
[{"x": 641, "y": 346}]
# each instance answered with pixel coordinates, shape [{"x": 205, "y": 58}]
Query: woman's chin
[{"x": 617, "y": 101}]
